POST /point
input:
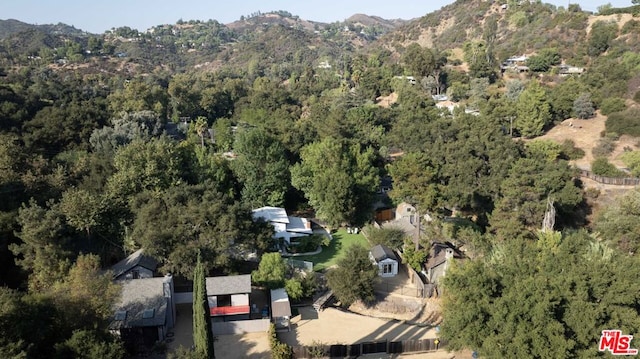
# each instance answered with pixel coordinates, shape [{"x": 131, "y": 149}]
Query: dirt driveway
[{"x": 333, "y": 326}]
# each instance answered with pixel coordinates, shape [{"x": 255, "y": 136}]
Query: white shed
[{"x": 385, "y": 259}]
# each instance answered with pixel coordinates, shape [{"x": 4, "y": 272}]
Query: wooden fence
[
  {"x": 377, "y": 347},
  {"x": 618, "y": 181},
  {"x": 422, "y": 289}
]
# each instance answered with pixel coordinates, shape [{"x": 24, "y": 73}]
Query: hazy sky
[{"x": 99, "y": 15}]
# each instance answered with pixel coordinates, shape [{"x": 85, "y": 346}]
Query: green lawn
[{"x": 330, "y": 255}]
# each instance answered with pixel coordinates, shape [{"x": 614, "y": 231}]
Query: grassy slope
[{"x": 330, "y": 255}]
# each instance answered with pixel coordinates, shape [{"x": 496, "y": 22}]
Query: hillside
[
  {"x": 520, "y": 30},
  {"x": 11, "y": 26}
]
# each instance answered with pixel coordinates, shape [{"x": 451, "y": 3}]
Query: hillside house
[
  {"x": 440, "y": 257},
  {"x": 145, "y": 312},
  {"x": 287, "y": 228},
  {"x": 135, "y": 266},
  {"x": 386, "y": 261}
]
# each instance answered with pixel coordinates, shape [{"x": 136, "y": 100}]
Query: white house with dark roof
[
  {"x": 229, "y": 296},
  {"x": 135, "y": 266},
  {"x": 286, "y": 227},
  {"x": 386, "y": 261},
  {"x": 145, "y": 312}
]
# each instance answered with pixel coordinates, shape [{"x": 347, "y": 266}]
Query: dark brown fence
[
  {"x": 382, "y": 346},
  {"x": 618, "y": 181}
]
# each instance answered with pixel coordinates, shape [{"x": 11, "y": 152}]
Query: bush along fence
[
  {"x": 377, "y": 347},
  {"x": 618, "y": 181}
]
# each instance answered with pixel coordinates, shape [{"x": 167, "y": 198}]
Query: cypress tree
[{"x": 202, "y": 332}]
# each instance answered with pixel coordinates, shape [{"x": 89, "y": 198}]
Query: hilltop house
[
  {"x": 145, "y": 312},
  {"x": 286, "y": 227},
  {"x": 137, "y": 265},
  {"x": 386, "y": 261}
]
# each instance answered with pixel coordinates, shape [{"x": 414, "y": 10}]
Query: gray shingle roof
[
  {"x": 232, "y": 284},
  {"x": 137, "y": 258},
  {"x": 381, "y": 252},
  {"x": 138, "y": 296}
]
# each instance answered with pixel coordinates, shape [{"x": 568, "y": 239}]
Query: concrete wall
[
  {"x": 184, "y": 298},
  {"x": 241, "y": 327}
]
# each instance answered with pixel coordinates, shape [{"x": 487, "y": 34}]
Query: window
[
  {"x": 224, "y": 300},
  {"x": 121, "y": 315},
  {"x": 148, "y": 313},
  {"x": 387, "y": 268}
]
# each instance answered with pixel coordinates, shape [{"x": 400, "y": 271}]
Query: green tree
[
  {"x": 415, "y": 180},
  {"x": 522, "y": 300},
  {"x": 338, "y": 180},
  {"x": 354, "y": 277},
  {"x": 87, "y": 295},
  {"x": 602, "y": 167},
  {"x": 176, "y": 224},
  {"x": 478, "y": 59},
  {"x": 543, "y": 61},
  {"x": 390, "y": 237},
  {"x": 271, "y": 271},
  {"x": 415, "y": 258},
  {"x": 583, "y": 107},
  {"x": 533, "y": 111},
  {"x": 43, "y": 251},
  {"x": 617, "y": 224},
  {"x": 81, "y": 209},
  {"x": 147, "y": 165},
  {"x": 261, "y": 168},
  {"x": 86, "y": 344},
  {"x": 202, "y": 334},
  {"x": 600, "y": 37},
  {"x": 138, "y": 95},
  {"x": 126, "y": 127},
  {"x": 524, "y": 194},
  {"x": 631, "y": 159}
]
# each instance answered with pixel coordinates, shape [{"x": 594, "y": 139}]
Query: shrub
[
  {"x": 602, "y": 167},
  {"x": 583, "y": 106},
  {"x": 569, "y": 151},
  {"x": 605, "y": 146},
  {"x": 632, "y": 161},
  {"x": 611, "y": 105},
  {"x": 625, "y": 122},
  {"x": 279, "y": 350},
  {"x": 390, "y": 237}
]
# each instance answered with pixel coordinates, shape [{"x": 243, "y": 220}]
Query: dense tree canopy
[
  {"x": 354, "y": 277},
  {"x": 541, "y": 299},
  {"x": 261, "y": 167},
  {"x": 166, "y": 139},
  {"x": 189, "y": 219},
  {"x": 338, "y": 180}
]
